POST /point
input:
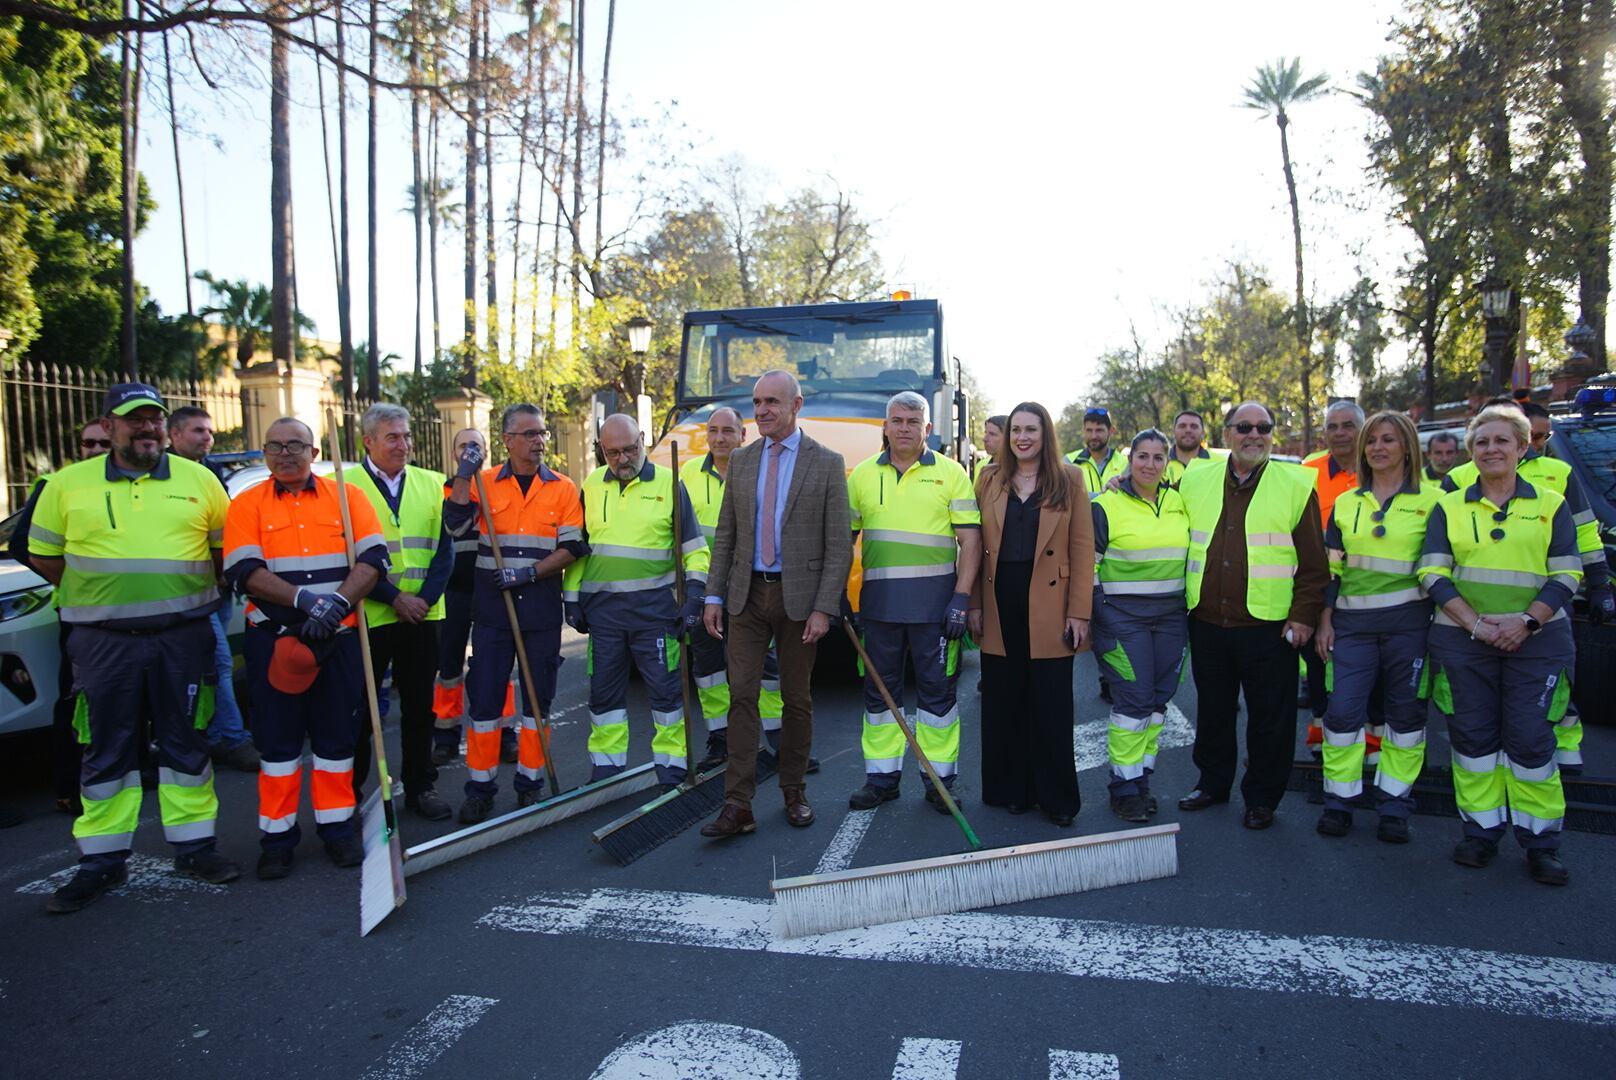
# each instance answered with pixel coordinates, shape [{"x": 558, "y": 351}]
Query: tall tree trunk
[
  {"x": 373, "y": 362},
  {"x": 1304, "y": 331},
  {"x": 544, "y": 168},
  {"x": 490, "y": 247},
  {"x": 345, "y": 256},
  {"x": 325, "y": 154},
  {"x": 560, "y": 177},
  {"x": 600, "y": 147},
  {"x": 179, "y": 187},
  {"x": 434, "y": 185},
  {"x": 468, "y": 374},
  {"x": 521, "y": 169},
  {"x": 578, "y": 180},
  {"x": 415, "y": 191},
  {"x": 283, "y": 297},
  {"x": 130, "y": 195},
  {"x": 1583, "y": 78}
]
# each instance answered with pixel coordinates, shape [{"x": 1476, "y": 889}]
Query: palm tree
[
  {"x": 468, "y": 376},
  {"x": 242, "y": 310},
  {"x": 179, "y": 185},
  {"x": 372, "y": 374},
  {"x": 283, "y": 273},
  {"x": 1275, "y": 89},
  {"x": 600, "y": 144}
]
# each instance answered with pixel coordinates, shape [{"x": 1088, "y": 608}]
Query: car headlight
[{"x": 16, "y": 605}]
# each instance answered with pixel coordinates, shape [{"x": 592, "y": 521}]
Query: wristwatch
[{"x": 1532, "y": 625}]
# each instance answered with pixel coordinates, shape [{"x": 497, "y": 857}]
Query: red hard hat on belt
[{"x": 294, "y": 666}]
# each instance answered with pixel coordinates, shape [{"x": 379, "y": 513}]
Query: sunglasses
[
  {"x": 1097, "y": 414},
  {"x": 1246, "y": 427},
  {"x": 1379, "y": 530},
  {"x": 96, "y": 444},
  {"x": 1499, "y": 515}
]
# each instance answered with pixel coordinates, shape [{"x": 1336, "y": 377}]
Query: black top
[{"x": 1019, "y": 543}]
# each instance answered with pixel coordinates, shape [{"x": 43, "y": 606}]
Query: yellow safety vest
[
  {"x": 1276, "y": 508},
  {"x": 1380, "y": 547},
  {"x": 412, "y": 536}
]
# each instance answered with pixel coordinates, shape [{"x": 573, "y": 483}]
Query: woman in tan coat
[{"x": 1030, "y": 612}]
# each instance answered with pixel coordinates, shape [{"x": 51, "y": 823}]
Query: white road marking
[
  {"x": 927, "y": 1059},
  {"x": 1088, "y": 740},
  {"x": 694, "y": 1050},
  {"x": 845, "y": 844},
  {"x": 1077, "y": 1065},
  {"x": 1363, "y": 968},
  {"x": 429, "y": 1037},
  {"x": 151, "y": 881}
]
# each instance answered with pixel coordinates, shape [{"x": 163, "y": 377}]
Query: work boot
[
  {"x": 346, "y": 850},
  {"x": 529, "y": 797},
  {"x": 430, "y": 805},
  {"x": 869, "y": 797},
  {"x": 475, "y": 810},
  {"x": 243, "y": 756},
  {"x": 274, "y": 864},
  {"x": 207, "y": 865},
  {"x": 1150, "y": 805},
  {"x": 443, "y": 753},
  {"x": 86, "y": 888},
  {"x": 1334, "y": 823},
  {"x": 1546, "y": 866},
  {"x": 717, "y": 752},
  {"x": 936, "y": 800},
  {"x": 1392, "y": 830},
  {"x": 1474, "y": 851},
  {"x": 1130, "y": 808}
]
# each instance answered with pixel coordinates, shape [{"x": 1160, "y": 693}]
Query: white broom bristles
[
  {"x": 381, "y": 875},
  {"x": 457, "y": 845},
  {"x": 867, "y": 896}
]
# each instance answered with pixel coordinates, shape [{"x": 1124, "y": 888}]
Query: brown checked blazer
[
  {"x": 1062, "y": 568},
  {"x": 816, "y": 538}
]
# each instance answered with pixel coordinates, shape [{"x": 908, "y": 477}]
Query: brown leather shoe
[
  {"x": 731, "y": 821},
  {"x": 798, "y": 812},
  {"x": 1258, "y": 817}
]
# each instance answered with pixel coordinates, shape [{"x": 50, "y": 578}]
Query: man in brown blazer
[{"x": 780, "y": 560}]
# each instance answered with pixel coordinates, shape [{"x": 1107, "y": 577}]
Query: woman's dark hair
[
  {"x": 1050, "y": 491},
  {"x": 1147, "y": 435}
]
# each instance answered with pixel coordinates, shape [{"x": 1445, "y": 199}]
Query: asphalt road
[{"x": 1270, "y": 954}]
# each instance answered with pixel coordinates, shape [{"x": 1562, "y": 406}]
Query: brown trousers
[{"x": 750, "y": 631}]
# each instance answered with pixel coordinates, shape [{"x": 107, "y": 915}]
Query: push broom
[
  {"x": 381, "y": 875},
  {"x": 562, "y": 804},
  {"x": 700, "y": 795},
  {"x": 865, "y": 896}
]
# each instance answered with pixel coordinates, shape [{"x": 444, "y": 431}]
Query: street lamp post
[
  {"x": 1497, "y": 304},
  {"x": 639, "y": 343}
]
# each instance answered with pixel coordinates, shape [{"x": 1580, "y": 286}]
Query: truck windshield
[
  {"x": 887, "y": 352},
  {"x": 1595, "y": 448}
]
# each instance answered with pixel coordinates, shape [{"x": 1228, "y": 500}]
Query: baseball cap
[
  {"x": 293, "y": 666},
  {"x": 126, "y": 397}
]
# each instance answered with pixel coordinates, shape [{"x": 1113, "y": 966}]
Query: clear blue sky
[{"x": 1054, "y": 173}]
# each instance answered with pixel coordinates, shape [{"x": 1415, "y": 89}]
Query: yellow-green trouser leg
[
  {"x": 1568, "y": 741},
  {"x": 937, "y": 729},
  {"x": 607, "y": 664}
]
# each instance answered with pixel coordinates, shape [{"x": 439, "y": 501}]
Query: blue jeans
[{"x": 225, "y": 729}]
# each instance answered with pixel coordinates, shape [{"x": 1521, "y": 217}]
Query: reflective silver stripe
[
  {"x": 1405, "y": 740},
  {"x": 394, "y": 547},
  {"x": 245, "y": 551},
  {"x": 1564, "y": 563},
  {"x": 280, "y": 824},
  {"x": 631, "y": 585},
  {"x": 528, "y": 723},
  {"x": 106, "y": 789},
  {"x": 486, "y": 562},
  {"x": 569, "y": 596},
  {"x": 484, "y": 775},
  {"x": 771, "y": 723},
  {"x": 567, "y": 533},
  {"x": 1391, "y": 785},
  {"x": 365, "y": 543},
  {"x": 933, "y": 720},
  {"x": 1383, "y": 566},
  {"x": 899, "y": 536},
  {"x": 1271, "y": 571},
  {"x": 885, "y": 764},
  {"x": 413, "y": 573},
  {"x": 608, "y": 760},
  {"x": 709, "y": 531},
  {"x": 716, "y": 679},
  {"x": 336, "y": 813},
  {"x": 1568, "y": 580},
  {"x": 1193, "y": 566},
  {"x": 1589, "y": 558},
  {"x": 880, "y": 718},
  {"x": 697, "y": 576},
  {"x": 963, "y": 506},
  {"x": 450, "y": 684},
  {"x": 1487, "y": 819},
  {"x": 1568, "y": 757},
  {"x": 1535, "y": 825},
  {"x": 1127, "y": 772},
  {"x": 531, "y": 772},
  {"x": 669, "y": 761},
  {"x": 335, "y": 765},
  {"x": 668, "y": 719},
  {"x": 93, "y": 565},
  {"x": 1530, "y": 775},
  {"x": 36, "y": 531},
  {"x": 485, "y": 727},
  {"x": 423, "y": 543},
  {"x": 106, "y": 843},
  {"x": 772, "y": 685},
  {"x": 1343, "y": 789},
  {"x": 1199, "y": 537},
  {"x": 1569, "y": 720},
  {"x": 1583, "y": 517},
  {"x": 216, "y": 538},
  {"x": 888, "y": 573},
  {"x": 189, "y": 830},
  {"x": 693, "y": 545},
  {"x": 1128, "y": 723},
  {"x": 176, "y": 606},
  {"x": 175, "y": 778},
  {"x": 944, "y": 768},
  {"x": 623, "y": 551},
  {"x": 465, "y": 547},
  {"x": 292, "y": 563},
  {"x": 608, "y": 718},
  {"x": 1483, "y": 764},
  {"x": 1344, "y": 738},
  {"x": 521, "y": 540},
  {"x": 1145, "y": 554},
  {"x": 280, "y": 768},
  {"x": 1165, "y": 587},
  {"x": 1336, "y": 556},
  {"x": 1484, "y": 575},
  {"x": 1379, "y": 600},
  {"x": 1274, "y": 539},
  {"x": 1433, "y": 560}
]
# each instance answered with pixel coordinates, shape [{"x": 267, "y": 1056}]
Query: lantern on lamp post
[{"x": 1497, "y": 305}]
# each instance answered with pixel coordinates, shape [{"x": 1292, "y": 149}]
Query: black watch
[{"x": 1531, "y": 624}]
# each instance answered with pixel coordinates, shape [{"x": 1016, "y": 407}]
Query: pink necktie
[{"x": 771, "y": 485}]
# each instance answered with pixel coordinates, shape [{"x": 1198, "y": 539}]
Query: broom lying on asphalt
[
  {"x": 700, "y": 795},
  {"x": 820, "y": 903},
  {"x": 381, "y": 874}
]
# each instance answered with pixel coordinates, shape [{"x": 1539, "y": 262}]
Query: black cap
[{"x": 126, "y": 397}]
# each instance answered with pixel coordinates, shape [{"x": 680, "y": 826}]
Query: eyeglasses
[
  {"x": 1246, "y": 427},
  {"x": 627, "y": 452},
  {"x": 96, "y": 444},
  {"x": 294, "y": 448},
  {"x": 531, "y": 436}
]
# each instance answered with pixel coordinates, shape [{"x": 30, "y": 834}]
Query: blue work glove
[
  {"x": 471, "y": 459},
  {"x": 954, "y": 621},
  {"x": 690, "y": 614},
  {"x": 325, "y": 613},
  {"x": 1601, "y": 604},
  {"x": 573, "y": 612},
  {"x": 849, "y": 616},
  {"x": 518, "y": 577}
]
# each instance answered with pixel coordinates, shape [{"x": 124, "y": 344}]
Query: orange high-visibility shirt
[{"x": 1331, "y": 483}]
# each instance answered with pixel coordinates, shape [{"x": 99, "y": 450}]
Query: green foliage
[{"x": 1278, "y": 86}]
